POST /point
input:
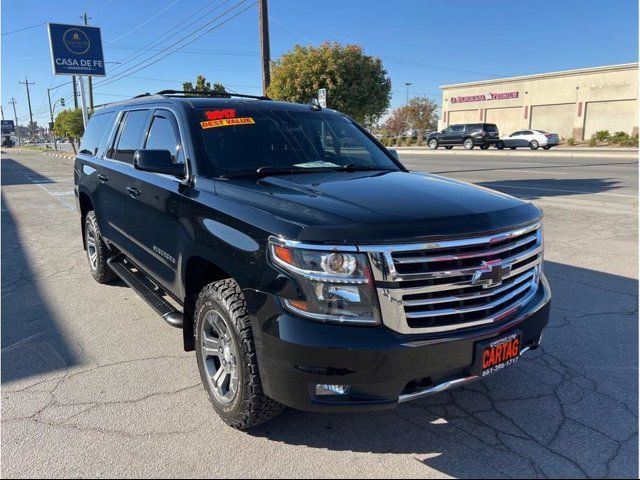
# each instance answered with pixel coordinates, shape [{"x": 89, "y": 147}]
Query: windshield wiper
[{"x": 273, "y": 170}]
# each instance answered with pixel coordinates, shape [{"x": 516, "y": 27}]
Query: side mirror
[
  {"x": 394, "y": 152},
  {"x": 157, "y": 161}
]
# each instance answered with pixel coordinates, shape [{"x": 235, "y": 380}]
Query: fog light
[{"x": 332, "y": 390}]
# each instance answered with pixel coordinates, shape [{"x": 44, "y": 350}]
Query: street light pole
[
  {"x": 407, "y": 84},
  {"x": 86, "y": 22}
]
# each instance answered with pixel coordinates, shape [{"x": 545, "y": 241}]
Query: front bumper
[{"x": 383, "y": 367}]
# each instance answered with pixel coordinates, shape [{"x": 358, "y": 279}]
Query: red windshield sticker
[
  {"x": 220, "y": 114},
  {"x": 227, "y": 122}
]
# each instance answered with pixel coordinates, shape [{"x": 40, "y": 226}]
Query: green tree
[
  {"x": 69, "y": 124},
  {"x": 421, "y": 116},
  {"x": 357, "y": 84},
  {"x": 202, "y": 85},
  {"x": 418, "y": 115}
]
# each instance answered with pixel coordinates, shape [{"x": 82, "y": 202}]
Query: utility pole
[
  {"x": 2, "y": 112},
  {"x": 86, "y": 22},
  {"x": 264, "y": 44},
  {"x": 15, "y": 116},
  {"x": 55, "y": 142},
  {"x": 26, "y": 83},
  {"x": 75, "y": 93},
  {"x": 407, "y": 84}
]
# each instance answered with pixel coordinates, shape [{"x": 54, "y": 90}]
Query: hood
[{"x": 378, "y": 207}]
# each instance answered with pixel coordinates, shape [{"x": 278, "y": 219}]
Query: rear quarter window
[{"x": 96, "y": 135}]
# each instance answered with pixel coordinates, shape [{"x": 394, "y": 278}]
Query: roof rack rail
[{"x": 208, "y": 94}]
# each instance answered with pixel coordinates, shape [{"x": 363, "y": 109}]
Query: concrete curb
[
  {"x": 522, "y": 153},
  {"x": 59, "y": 155}
]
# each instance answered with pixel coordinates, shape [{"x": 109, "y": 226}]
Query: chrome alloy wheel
[
  {"x": 92, "y": 250},
  {"x": 219, "y": 357}
]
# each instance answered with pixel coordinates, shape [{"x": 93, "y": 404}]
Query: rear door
[
  {"x": 118, "y": 177},
  {"x": 453, "y": 135},
  {"x": 154, "y": 212}
]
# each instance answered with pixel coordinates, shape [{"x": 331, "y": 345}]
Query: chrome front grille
[{"x": 455, "y": 284}]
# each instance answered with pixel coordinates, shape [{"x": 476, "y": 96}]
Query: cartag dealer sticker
[
  {"x": 224, "y": 118},
  {"x": 227, "y": 122}
]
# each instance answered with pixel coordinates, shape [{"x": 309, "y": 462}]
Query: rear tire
[
  {"x": 97, "y": 251},
  {"x": 534, "y": 145},
  {"x": 433, "y": 144},
  {"x": 449, "y": 147},
  {"x": 227, "y": 360},
  {"x": 468, "y": 144},
  {"x": 546, "y": 148},
  {"x": 484, "y": 147},
  {"x": 512, "y": 148}
]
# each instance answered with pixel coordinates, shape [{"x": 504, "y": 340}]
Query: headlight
[{"x": 337, "y": 285}]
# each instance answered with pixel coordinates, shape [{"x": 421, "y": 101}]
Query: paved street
[{"x": 95, "y": 384}]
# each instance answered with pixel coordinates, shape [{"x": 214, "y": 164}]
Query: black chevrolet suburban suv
[
  {"x": 468, "y": 135},
  {"x": 304, "y": 264}
]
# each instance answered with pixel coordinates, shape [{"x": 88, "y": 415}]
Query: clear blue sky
[{"x": 425, "y": 42}]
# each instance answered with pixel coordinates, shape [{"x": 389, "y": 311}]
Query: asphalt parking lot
[{"x": 95, "y": 384}]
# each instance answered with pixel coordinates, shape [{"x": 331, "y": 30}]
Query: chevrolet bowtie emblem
[{"x": 490, "y": 274}]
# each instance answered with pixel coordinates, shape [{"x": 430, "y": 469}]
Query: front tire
[
  {"x": 484, "y": 147},
  {"x": 546, "y": 148},
  {"x": 449, "y": 147},
  {"x": 534, "y": 145},
  {"x": 500, "y": 145},
  {"x": 227, "y": 359},
  {"x": 97, "y": 251},
  {"x": 433, "y": 144},
  {"x": 468, "y": 144}
]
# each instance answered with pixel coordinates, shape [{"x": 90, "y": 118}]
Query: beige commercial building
[{"x": 572, "y": 103}]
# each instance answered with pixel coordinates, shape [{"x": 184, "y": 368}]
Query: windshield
[{"x": 239, "y": 141}]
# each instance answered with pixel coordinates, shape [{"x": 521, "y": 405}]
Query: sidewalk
[{"x": 573, "y": 152}]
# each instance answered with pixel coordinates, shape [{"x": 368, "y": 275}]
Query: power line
[
  {"x": 167, "y": 34},
  {"x": 137, "y": 27},
  {"x": 141, "y": 66},
  {"x": 23, "y": 29}
]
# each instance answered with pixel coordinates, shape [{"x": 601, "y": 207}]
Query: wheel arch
[
  {"x": 86, "y": 205},
  {"x": 198, "y": 272}
]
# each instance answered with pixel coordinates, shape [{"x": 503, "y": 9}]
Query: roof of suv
[{"x": 197, "y": 102}]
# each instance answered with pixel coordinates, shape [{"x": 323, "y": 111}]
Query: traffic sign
[
  {"x": 76, "y": 50},
  {"x": 8, "y": 127}
]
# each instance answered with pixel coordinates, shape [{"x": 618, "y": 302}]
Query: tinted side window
[
  {"x": 491, "y": 128},
  {"x": 474, "y": 127},
  {"x": 163, "y": 136},
  {"x": 131, "y": 134},
  {"x": 457, "y": 128},
  {"x": 96, "y": 134}
]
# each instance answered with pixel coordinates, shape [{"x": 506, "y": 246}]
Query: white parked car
[{"x": 533, "y": 139}]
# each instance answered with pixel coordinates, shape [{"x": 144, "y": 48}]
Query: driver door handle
[
  {"x": 103, "y": 178},
  {"x": 133, "y": 192}
]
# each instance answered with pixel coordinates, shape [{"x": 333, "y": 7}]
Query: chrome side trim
[{"x": 458, "y": 382}]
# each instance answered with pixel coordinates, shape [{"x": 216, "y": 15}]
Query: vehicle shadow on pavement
[
  {"x": 14, "y": 173},
  {"x": 532, "y": 189},
  {"x": 32, "y": 343},
  {"x": 568, "y": 409}
]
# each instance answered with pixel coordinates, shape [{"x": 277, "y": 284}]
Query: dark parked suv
[
  {"x": 303, "y": 263},
  {"x": 468, "y": 135}
]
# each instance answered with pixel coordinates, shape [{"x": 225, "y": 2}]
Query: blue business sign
[{"x": 76, "y": 50}]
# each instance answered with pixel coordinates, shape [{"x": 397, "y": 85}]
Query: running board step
[{"x": 152, "y": 293}]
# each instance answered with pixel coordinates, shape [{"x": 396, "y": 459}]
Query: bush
[
  {"x": 592, "y": 141},
  {"x": 629, "y": 142},
  {"x": 602, "y": 135},
  {"x": 571, "y": 141},
  {"x": 619, "y": 138},
  {"x": 410, "y": 141}
]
